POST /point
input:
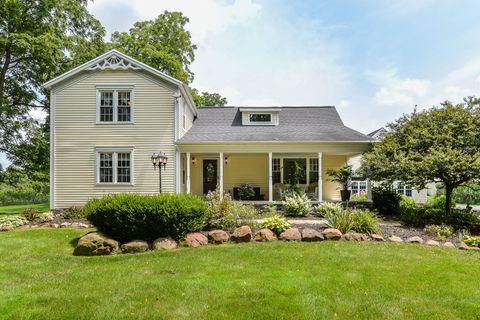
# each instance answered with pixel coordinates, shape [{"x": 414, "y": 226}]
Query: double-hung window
[
  {"x": 404, "y": 189},
  {"x": 358, "y": 187},
  {"x": 114, "y": 105},
  {"x": 114, "y": 167},
  {"x": 276, "y": 173}
]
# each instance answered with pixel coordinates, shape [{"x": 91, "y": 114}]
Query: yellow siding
[
  {"x": 246, "y": 168},
  {"x": 77, "y": 135},
  {"x": 253, "y": 169},
  {"x": 330, "y": 189}
]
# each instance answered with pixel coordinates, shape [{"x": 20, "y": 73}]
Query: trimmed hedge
[{"x": 126, "y": 217}]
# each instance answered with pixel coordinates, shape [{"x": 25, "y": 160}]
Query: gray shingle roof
[{"x": 217, "y": 124}]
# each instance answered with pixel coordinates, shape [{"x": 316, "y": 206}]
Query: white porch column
[
  {"x": 178, "y": 172},
  {"x": 369, "y": 189},
  {"x": 221, "y": 174},
  {"x": 270, "y": 183},
  {"x": 320, "y": 177},
  {"x": 188, "y": 172}
]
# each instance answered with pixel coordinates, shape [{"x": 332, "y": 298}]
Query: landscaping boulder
[
  {"x": 95, "y": 244},
  {"x": 395, "y": 239},
  {"x": 332, "y": 234},
  {"x": 433, "y": 243},
  {"x": 135, "y": 246},
  {"x": 415, "y": 239},
  {"x": 65, "y": 224},
  {"x": 292, "y": 234},
  {"x": 24, "y": 227},
  {"x": 448, "y": 244},
  {"x": 196, "y": 239},
  {"x": 310, "y": 235},
  {"x": 242, "y": 234},
  {"x": 54, "y": 225},
  {"x": 218, "y": 236},
  {"x": 264, "y": 235},
  {"x": 354, "y": 236},
  {"x": 164, "y": 244},
  {"x": 7, "y": 228},
  {"x": 462, "y": 246},
  {"x": 377, "y": 237}
]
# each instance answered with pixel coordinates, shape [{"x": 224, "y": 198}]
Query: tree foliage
[
  {"x": 38, "y": 40},
  {"x": 441, "y": 144},
  {"x": 206, "y": 99},
  {"x": 163, "y": 44}
]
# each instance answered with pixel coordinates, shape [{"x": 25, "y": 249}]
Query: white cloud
[
  {"x": 402, "y": 91},
  {"x": 207, "y": 17}
]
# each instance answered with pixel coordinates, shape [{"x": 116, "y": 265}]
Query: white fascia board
[
  {"x": 259, "y": 109},
  {"x": 92, "y": 62}
]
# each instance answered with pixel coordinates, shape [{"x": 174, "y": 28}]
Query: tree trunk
[{"x": 448, "y": 195}]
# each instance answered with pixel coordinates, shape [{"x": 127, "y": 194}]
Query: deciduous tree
[{"x": 441, "y": 144}]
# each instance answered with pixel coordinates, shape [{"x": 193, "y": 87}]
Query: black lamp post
[{"x": 158, "y": 160}]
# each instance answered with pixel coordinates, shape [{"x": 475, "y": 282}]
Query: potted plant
[
  {"x": 246, "y": 192},
  {"x": 342, "y": 176}
]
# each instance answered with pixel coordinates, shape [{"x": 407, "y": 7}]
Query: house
[
  {"x": 360, "y": 185},
  {"x": 109, "y": 115}
]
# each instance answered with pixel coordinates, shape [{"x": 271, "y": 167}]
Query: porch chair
[{"x": 279, "y": 191}]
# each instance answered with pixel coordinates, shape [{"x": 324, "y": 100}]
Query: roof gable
[{"x": 115, "y": 60}]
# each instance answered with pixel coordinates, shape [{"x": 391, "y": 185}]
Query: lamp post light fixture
[{"x": 158, "y": 160}]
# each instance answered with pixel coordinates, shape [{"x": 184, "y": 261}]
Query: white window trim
[
  {"x": 273, "y": 119},
  {"x": 404, "y": 189},
  {"x": 115, "y": 89},
  {"x": 115, "y": 152}
]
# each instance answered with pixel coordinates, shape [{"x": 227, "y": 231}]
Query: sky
[{"x": 372, "y": 59}]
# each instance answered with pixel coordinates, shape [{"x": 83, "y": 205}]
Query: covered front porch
[{"x": 269, "y": 173}]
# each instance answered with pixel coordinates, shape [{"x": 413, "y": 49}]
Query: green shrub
[
  {"x": 275, "y": 222},
  {"x": 270, "y": 209},
  {"x": 297, "y": 205},
  {"x": 360, "y": 196},
  {"x": 420, "y": 216},
  {"x": 127, "y": 217},
  {"x": 409, "y": 212},
  {"x": 439, "y": 202},
  {"x": 441, "y": 232},
  {"x": 246, "y": 192},
  {"x": 74, "y": 212},
  {"x": 472, "y": 241},
  {"x": 30, "y": 214},
  {"x": 46, "y": 216},
  {"x": 12, "y": 221},
  {"x": 223, "y": 213},
  {"x": 386, "y": 201},
  {"x": 245, "y": 214},
  {"x": 365, "y": 221},
  {"x": 327, "y": 207},
  {"x": 341, "y": 219},
  {"x": 346, "y": 220}
]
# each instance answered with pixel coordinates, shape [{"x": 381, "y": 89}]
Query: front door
[{"x": 209, "y": 175}]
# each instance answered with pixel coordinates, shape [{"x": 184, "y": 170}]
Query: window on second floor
[{"x": 115, "y": 106}]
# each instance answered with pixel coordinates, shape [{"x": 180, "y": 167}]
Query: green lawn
[
  {"x": 16, "y": 209},
  {"x": 40, "y": 279}
]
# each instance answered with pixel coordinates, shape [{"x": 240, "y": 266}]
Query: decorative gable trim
[{"x": 114, "y": 62}]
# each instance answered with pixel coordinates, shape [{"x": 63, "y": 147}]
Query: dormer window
[{"x": 260, "y": 116}]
